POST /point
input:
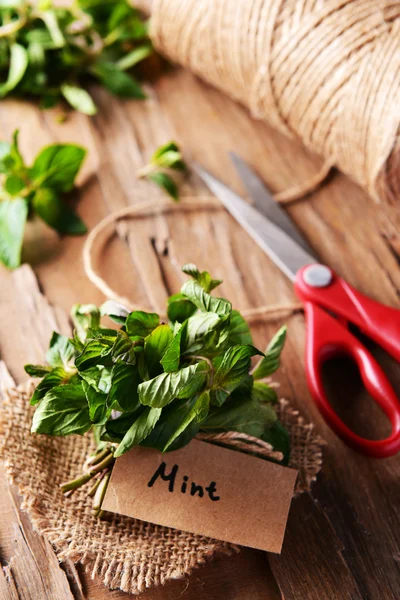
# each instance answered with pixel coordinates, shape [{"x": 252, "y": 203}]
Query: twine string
[
  {"x": 96, "y": 239},
  {"x": 326, "y": 72}
]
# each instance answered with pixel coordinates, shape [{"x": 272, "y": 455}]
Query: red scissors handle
[{"x": 328, "y": 337}]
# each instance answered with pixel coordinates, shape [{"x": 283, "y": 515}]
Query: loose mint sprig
[
  {"x": 166, "y": 160},
  {"x": 39, "y": 188},
  {"x": 51, "y": 51},
  {"x": 156, "y": 384}
]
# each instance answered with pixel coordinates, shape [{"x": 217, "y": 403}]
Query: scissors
[{"x": 325, "y": 296}]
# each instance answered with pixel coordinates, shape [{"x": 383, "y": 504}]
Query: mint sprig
[
  {"x": 52, "y": 52},
  {"x": 164, "y": 166},
  {"x": 156, "y": 384},
  {"x": 39, "y": 189}
]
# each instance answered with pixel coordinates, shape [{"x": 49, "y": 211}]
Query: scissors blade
[
  {"x": 287, "y": 254},
  {"x": 265, "y": 203}
]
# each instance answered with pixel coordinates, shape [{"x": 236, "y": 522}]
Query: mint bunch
[
  {"x": 38, "y": 189},
  {"x": 51, "y": 51},
  {"x": 157, "y": 384}
]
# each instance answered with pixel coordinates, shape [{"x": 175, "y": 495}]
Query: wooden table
[{"x": 342, "y": 540}]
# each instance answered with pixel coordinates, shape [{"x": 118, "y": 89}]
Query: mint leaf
[
  {"x": 124, "y": 349},
  {"x": 57, "y": 166},
  {"x": 58, "y": 215},
  {"x": 166, "y": 183},
  {"x": 198, "y": 330},
  {"x": 37, "y": 370},
  {"x": 238, "y": 330},
  {"x": 271, "y": 361},
  {"x": 116, "y": 311},
  {"x": 64, "y": 410},
  {"x": 198, "y": 412},
  {"x": 141, "y": 323},
  {"x": 84, "y": 317},
  {"x": 171, "y": 358},
  {"x": 139, "y": 430},
  {"x": 18, "y": 65},
  {"x": 264, "y": 393},
  {"x": 97, "y": 402},
  {"x": 61, "y": 352},
  {"x": 55, "y": 377},
  {"x": 234, "y": 367},
  {"x": 123, "y": 394},
  {"x": 13, "y": 215},
  {"x": 117, "y": 81},
  {"x": 155, "y": 346},
  {"x": 161, "y": 390},
  {"x": 203, "y": 301},
  {"x": 79, "y": 99},
  {"x": 180, "y": 308},
  {"x": 171, "y": 419},
  {"x": 203, "y": 278},
  {"x": 242, "y": 414}
]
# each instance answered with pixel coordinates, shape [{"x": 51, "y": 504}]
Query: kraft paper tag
[{"x": 205, "y": 489}]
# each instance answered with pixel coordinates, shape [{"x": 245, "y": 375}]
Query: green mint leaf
[
  {"x": 115, "y": 429},
  {"x": 171, "y": 358},
  {"x": 14, "y": 185},
  {"x": 95, "y": 352},
  {"x": 5, "y": 149},
  {"x": 139, "y": 430},
  {"x": 279, "y": 439},
  {"x": 117, "y": 312},
  {"x": 123, "y": 394},
  {"x": 166, "y": 183},
  {"x": 271, "y": 361},
  {"x": 64, "y": 410},
  {"x": 55, "y": 377},
  {"x": 97, "y": 402},
  {"x": 61, "y": 352},
  {"x": 124, "y": 349},
  {"x": 161, "y": 390},
  {"x": 79, "y": 99},
  {"x": 198, "y": 412},
  {"x": 84, "y": 317},
  {"x": 164, "y": 149},
  {"x": 234, "y": 367},
  {"x": 13, "y": 215},
  {"x": 155, "y": 346},
  {"x": 264, "y": 393},
  {"x": 37, "y": 370},
  {"x": 18, "y": 65},
  {"x": 242, "y": 414},
  {"x": 180, "y": 308},
  {"x": 141, "y": 323},
  {"x": 203, "y": 278},
  {"x": 117, "y": 81},
  {"x": 238, "y": 330},
  {"x": 203, "y": 301},
  {"x": 99, "y": 377},
  {"x": 134, "y": 57},
  {"x": 198, "y": 330},
  {"x": 57, "y": 166},
  {"x": 172, "y": 418},
  {"x": 58, "y": 215}
]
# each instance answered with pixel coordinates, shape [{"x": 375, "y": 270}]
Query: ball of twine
[{"x": 324, "y": 71}]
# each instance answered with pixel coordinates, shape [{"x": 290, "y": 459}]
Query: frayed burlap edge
[{"x": 124, "y": 553}]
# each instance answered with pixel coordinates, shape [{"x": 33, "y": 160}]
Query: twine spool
[{"x": 324, "y": 71}]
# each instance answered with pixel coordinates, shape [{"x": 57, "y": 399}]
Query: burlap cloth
[{"x": 124, "y": 553}]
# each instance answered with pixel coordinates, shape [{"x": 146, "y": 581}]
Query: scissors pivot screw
[{"x": 317, "y": 276}]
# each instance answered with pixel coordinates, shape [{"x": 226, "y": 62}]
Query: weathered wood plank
[{"x": 341, "y": 539}]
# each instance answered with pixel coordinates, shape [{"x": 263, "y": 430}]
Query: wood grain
[{"x": 342, "y": 538}]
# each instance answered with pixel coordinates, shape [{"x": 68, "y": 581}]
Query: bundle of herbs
[
  {"x": 157, "y": 384},
  {"x": 36, "y": 189},
  {"x": 50, "y": 51}
]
